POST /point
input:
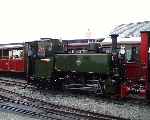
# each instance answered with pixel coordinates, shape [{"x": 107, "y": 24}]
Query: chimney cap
[{"x": 114, "y": 35}]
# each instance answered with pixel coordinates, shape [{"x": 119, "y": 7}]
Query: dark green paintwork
[
  {"x": 99, "y": 63},
  {"x": 43, "y": 67}
]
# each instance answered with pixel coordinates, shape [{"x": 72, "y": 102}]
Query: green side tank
[{"x": 97, "y": 63}]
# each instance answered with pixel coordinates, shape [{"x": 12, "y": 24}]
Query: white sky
[{"x": 23, "y": 20}]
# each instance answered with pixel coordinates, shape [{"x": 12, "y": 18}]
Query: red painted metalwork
[
  {"x": 124, "y": 90},
  {"x": 145, "y": 45},
  {"x": 144, "y": 48},
  {"x": 133, "y": 71},
  {"x": 4, "y": 66},
  {"x": 12, "y": 65},
  {"x": 16, "y": 65},
  {"x": 137, "y": 72},
  {"x": 144, "y": 54}
]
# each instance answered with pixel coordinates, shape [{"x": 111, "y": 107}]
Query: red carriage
[{"x": 12, "y": 58}]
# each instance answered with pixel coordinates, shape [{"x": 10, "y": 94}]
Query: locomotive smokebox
[{"x": 114, "y": 42}]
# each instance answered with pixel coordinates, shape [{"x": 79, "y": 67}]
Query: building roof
[{"x": 131, "y": 29}]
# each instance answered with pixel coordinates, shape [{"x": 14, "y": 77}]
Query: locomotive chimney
[{"x": 114, "y": 42}]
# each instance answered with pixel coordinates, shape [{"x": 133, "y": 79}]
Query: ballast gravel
[
  {"x": 13, "y": 116},
  {"x": 98, "y": 105}
]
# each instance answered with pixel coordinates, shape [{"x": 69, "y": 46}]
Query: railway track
[
  {"x": 58, "y": 111},
  {"x": 24, "y": 84},
  {"x": 23, "y": 111},
  {"x": 37, "y": 103},
  {"x": 13, "y": 82}
]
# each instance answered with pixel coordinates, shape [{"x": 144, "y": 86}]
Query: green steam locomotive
[{"x": 51, "y": 66}]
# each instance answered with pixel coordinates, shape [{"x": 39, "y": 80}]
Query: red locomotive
[{"x": 137, "y": 72}]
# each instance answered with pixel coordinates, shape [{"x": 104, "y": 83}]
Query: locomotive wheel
[
  {"x": 100, "y": 87},
  {"x": 63, "y": 86}
]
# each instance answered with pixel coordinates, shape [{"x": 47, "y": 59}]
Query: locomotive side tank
[
  {"x": 94, "y": 63},
  {"x": 85, "y": 72}
]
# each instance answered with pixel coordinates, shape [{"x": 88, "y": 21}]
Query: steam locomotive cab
[{"x": 41, "y": 60}]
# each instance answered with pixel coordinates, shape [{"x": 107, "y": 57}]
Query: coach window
[
  {"x": 132, "y": 54},
  {"x": 128, "y": 55},
  {"x": 10, "y": 54},
  {"x": 18, "y": 54},
  {"x": 5, "y": 53}
]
